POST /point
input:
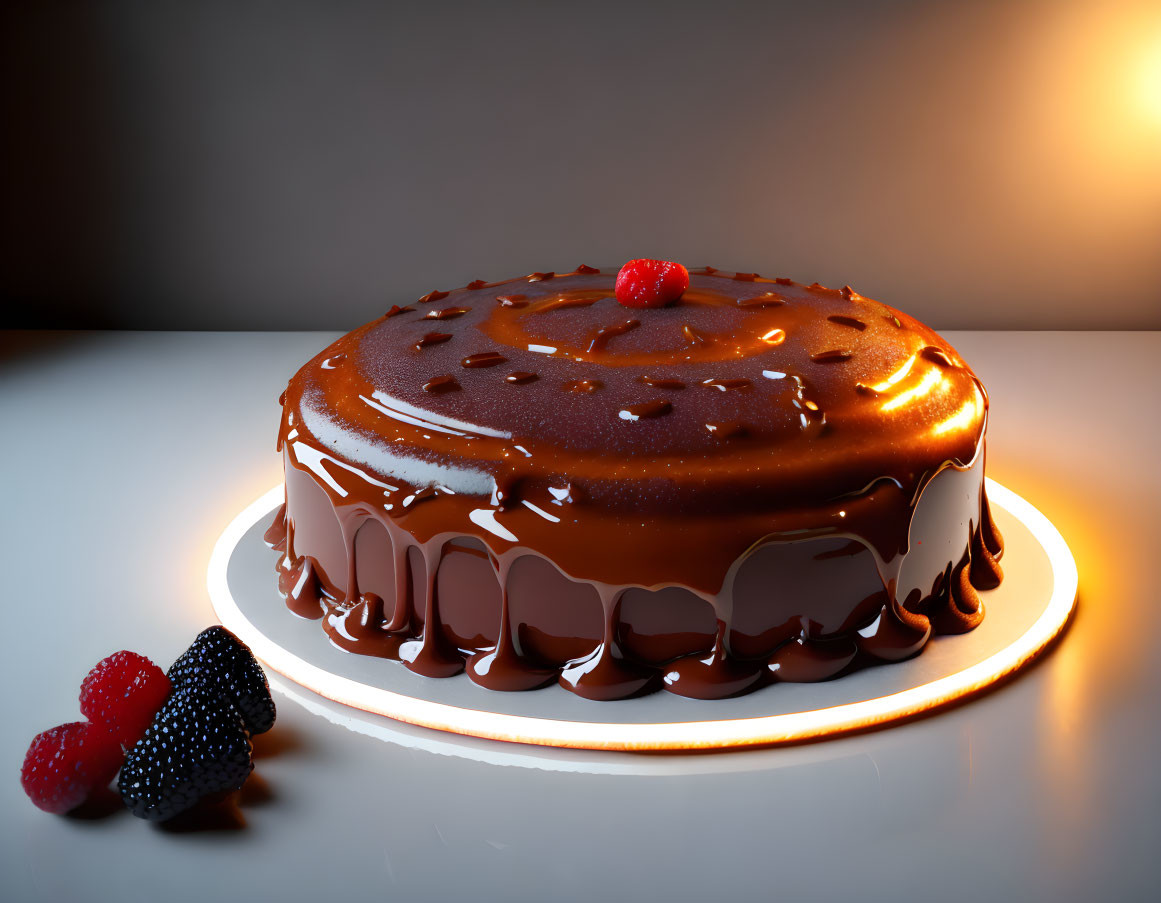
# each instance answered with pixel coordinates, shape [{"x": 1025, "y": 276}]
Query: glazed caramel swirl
[{"x": 829, "y": 407}]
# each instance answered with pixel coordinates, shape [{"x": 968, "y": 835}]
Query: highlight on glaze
[{"x": 762, "y": 482}]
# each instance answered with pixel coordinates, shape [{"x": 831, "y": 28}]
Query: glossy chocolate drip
[
  {"x": 299, "y": 584},
  {"x": 993, "y": 541},
  {"x": 606, "y": 673},
  {"x": 964, "y": 609},
  {"x": 360, "y": 628},
  {"x": 275, "y": 535},
  {"x": 401, "y": 570},
  {"x": 804, "y": 661},
  {"x": 502, "y": 667},
  {"x": 800, "y": 428},
  {"x": 985, "y": 572},
  {"x": 895, "y": 634},
  {"x": 429, "y": 654},
  {"x": 716, "y": 675}
]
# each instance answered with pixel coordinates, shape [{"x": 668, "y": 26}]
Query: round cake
[{"x": 527, "y": 480}]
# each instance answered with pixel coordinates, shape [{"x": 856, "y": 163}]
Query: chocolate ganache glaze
[{"x": 525, "y": 479}]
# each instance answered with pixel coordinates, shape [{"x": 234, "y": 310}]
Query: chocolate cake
[{"x": 764, "y": 481}]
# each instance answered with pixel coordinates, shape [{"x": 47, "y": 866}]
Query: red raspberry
[
  {"x": 65, "y": 764},
  {"x": 651, "y": 283},
  {"x": 123, "y": 693}
]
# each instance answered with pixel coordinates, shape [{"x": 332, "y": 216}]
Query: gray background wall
[{"x": 297, "y": 165}]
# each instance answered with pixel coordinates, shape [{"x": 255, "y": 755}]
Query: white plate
[{"x": 1024, "y": 614}]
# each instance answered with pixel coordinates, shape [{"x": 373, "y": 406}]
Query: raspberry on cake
[
  {"x": 744, "y": 481},
  {"x": 650, "y": 283}
]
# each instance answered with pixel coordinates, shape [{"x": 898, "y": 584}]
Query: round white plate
[{"x": 1024, "y": 614}]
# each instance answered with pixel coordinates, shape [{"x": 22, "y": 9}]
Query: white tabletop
[{"x": 125, "y": 454}]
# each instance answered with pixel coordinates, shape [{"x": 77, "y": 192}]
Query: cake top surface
[{"x": 797, "y": 388}]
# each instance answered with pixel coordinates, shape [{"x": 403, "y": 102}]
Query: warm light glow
[
  {"x": 774, "y": 337},
  {"x": 961, "y": 419},
  {"x": 658, "y": 736},
  {"x": 897, "y": 375},
  {"x": 925, "y": 386},
  {"x": 1149, "y": 85}
]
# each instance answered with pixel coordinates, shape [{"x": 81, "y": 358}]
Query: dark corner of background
[{"x": 298, "y": 165}]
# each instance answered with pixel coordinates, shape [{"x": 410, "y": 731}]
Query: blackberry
[
  {"x": 196, "y": 745},
  {"x": 220, "y": 663}
]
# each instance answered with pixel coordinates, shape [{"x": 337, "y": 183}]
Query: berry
[
  {"x": 196, "y": 746},
  {"x": 65, "y": 764},
  {"x": 651, "y": 283},
  {"x": 123, "y": 693},
  {"x": 220, "y": 663}
]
